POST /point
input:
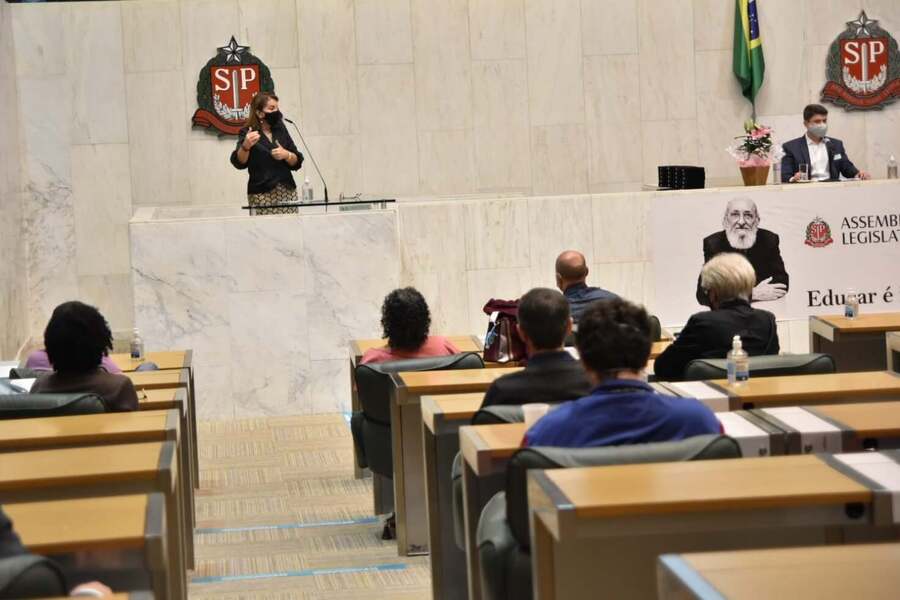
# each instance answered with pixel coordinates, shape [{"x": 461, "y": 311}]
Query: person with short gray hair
[{"x": 727, "y": 281}]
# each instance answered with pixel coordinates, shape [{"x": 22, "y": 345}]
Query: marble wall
[
  {"x": 13, "y": 314},
  {"x": 406, "y": 98},
  {"x": 267, "y": 304}
]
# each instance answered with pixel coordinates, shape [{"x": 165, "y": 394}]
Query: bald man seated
[{"x": 571, "y": 276}]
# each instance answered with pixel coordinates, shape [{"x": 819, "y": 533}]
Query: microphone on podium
[{"x": 311, "y": 157}]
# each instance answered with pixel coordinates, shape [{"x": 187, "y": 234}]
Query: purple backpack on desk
[{"x": 502, "y": 343}]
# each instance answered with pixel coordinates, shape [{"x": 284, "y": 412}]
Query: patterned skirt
[{"x": 280, "y": 194}]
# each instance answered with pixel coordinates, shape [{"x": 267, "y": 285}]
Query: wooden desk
[
  {"x": 155, "y": 388},
  {"x": 803, "y": 390},
  {"x": 177, "y": 399},
  {"x": 605, "y": 526},
  {"x": 165, "y": 360},
  {"x": 87, "y": 535},
  {"x": 658, "y": 347},
  {"x": 486, "y": 451},
  {"x": 856, "y": 344},
  {"x": 443, "y": 416},
  {"x": 407, "y": 444},
  {"x": 104, "y": 429},
  {"x": 154, "y": 380},
  {"x": 892, "y": 341},
  {"x": 39, "y": 475},
  {"x": 825, "y": 573}
]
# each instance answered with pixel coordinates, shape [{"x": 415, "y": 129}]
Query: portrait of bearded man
[{"x": 741, "y": 233}]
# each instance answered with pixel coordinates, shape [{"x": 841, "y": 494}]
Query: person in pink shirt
[{"x": 405, "y": 319}]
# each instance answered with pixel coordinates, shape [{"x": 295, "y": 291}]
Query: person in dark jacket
[
  {"x": 571, "y": 279},
  {"x": 551, "y": 374},
  {"x": 825, "y": 157},
  {"x": 77, "y": 338},
  {"x": 727, "y": 281}
]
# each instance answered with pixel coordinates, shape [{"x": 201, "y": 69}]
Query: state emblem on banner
[
  {"x": 818, "y": 233},
  {"x": 226, "y": 85},
  {"x": 863, "y": 67}
]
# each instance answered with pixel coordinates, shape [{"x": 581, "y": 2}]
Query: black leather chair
[
  {"x": 371, "y": 426},
  {"x": 503, "y": 530},
  {"x": 23, "y": 373},
  {"x": 26, "y": 406},
  {"x": 30, "y": 576},
  {"x": 762, "y": 366},
  {"x": 655, "y": 332}
]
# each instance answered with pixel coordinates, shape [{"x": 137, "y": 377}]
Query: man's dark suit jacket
[
  {"x": 708, "y": 335},
  {"x": 764, "y": 255},
  {"x": 550, "y": 377},
  {"x": 10, "y": 545},
  {"x": 796, "y": 153}
]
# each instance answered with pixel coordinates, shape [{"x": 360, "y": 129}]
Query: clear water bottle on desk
[
  {"x": 851, "y": 304},
  {"x": 737, "y": 363},
  {"x": 307, "y": 192},
  {"x": 892, "y": 167},
  {"x": 137, "y": 345}
]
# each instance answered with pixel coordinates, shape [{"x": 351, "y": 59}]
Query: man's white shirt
[{"x": 818, "y": 160}]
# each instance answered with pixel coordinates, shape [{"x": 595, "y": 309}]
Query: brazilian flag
[{"x": 748, "y": 64}]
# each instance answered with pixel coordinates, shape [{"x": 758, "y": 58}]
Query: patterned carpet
[{"x": 280, "y": 516}]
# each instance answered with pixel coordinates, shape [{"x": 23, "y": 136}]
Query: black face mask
[{"x": 273, "y": 118}]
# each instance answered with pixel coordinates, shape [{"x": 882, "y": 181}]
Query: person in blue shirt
[
  {"x": 613, "y": 341},
  {"x": 571, "y": 276}
]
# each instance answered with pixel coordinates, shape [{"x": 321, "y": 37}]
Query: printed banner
[{"x": 808, "y": 243}]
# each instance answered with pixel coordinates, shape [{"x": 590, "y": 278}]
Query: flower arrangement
[{"x": 755, "y": 147}]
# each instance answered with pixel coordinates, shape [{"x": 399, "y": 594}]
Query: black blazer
[
  {"x": 551, "y": 377},
  {"x": 764, "y": 255},
  {"x": 10, "y": 545},
  {"x": 708, "y": 335},
  {"x": 796, "y": 152},
  {"x": 265, "y": 171}
]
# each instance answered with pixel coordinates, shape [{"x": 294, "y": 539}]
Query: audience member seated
[
  {"x": 11, "y": 546},
  {"x": 614, "y": 344},
  {"x": 39, "y": 361},
  {"x": 77, "y": 338},
  {"x": 571, "y": 276},
  {"x": 727, "y": 280},
  {"x": 551, "y": 374},
  {"x": 406, "y": 319}
]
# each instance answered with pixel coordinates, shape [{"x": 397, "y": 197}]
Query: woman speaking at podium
[{"x": 266, "y": 150}]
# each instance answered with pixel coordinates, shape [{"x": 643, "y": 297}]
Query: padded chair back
[
  {"x": 23, "y": 373},
  {"x": 762, "y": 366},
  {"x": 26, "y": 406},
  {"x": 701, "y": 447},
  {"x": 371, "y": 427},
  {"x": 31, "y": 576}
]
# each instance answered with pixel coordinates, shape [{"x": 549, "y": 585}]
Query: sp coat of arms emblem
[
  {"x": 863, "y": 67},
  {"x": 818, "y": 233},
  {"x": 226, "y": 85}
]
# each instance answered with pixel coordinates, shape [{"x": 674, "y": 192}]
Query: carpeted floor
[{"x": 280, "y": 516}]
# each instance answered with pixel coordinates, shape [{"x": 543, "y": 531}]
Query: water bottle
[
  {"x": 137, "y": 345},
  {"x": 851, "y": 304},
  {"x": 892, "y": 167},
  {"x": 307, "y": 192},
  {"x": 737, "y": 363}
]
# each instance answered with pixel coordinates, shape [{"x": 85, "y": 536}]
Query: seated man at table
[
  {"x": 571, "y": 279},
  {"x": 11, "y": 546},
  {"x": 614, "y": 344},
  {"x": 825, "y": 158},
  {"x": 405, "y": 319},
  {"x": 77, "y": 338},
  {"x": 551, "y": 374},
  {"x": 727, "y": 280}
]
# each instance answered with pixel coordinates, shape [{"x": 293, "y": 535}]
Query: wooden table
[
  {"x": 603, "y": 527},
  {"x": 175, "y": 377},
  {"x": 443, "y": 416},
  {"x": 165, "y": 360},
  {"x": 856, "y": 344},
  {"x": 104, "y": 429},
  {"x": 892, "y": 341},
  {"x": 88, "y": 535},
  {"x": 657, "y": 348},
  {"x": 801, "y": 390},
  {"x": 39, "y": 475},
  {"x": 825, "y": 573},
  {"x": 407, "y": 390}
]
